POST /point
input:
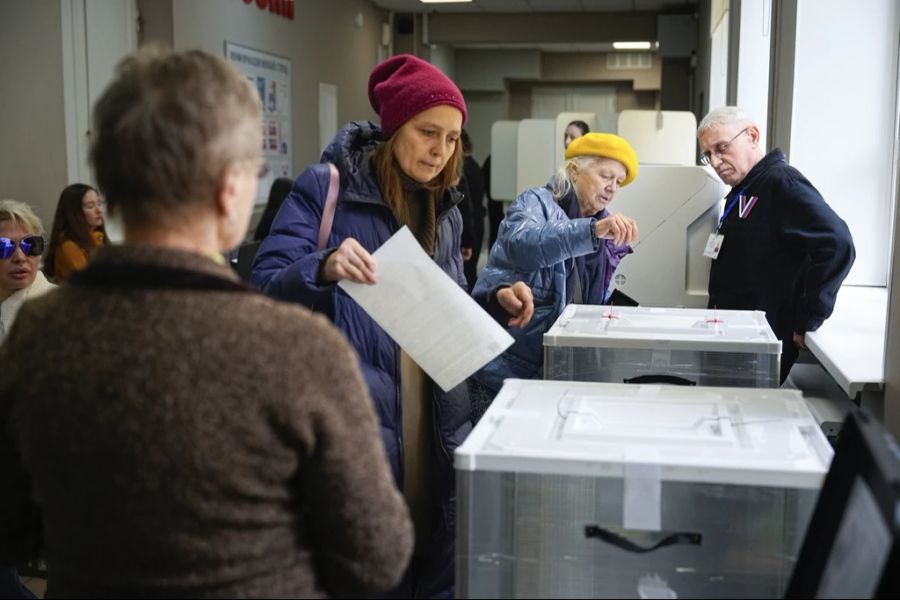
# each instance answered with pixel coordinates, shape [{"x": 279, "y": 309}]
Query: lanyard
[{"x": 728, "y": 208}]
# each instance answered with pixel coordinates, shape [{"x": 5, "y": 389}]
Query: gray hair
[
  {"x": 561, "y": 182},
  {"x": 724, "y": 115},
  {"x": 13, "y": 210},
  {"x": 166, "y": 128}
]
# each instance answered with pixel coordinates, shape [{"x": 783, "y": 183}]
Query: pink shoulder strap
[{"x": 334, "y": 185}]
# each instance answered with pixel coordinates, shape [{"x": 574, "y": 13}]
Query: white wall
[
  {"x": 547, "y": 101},
  {"x": 32, "y": 120},
  {"x": 323, "y": 42},
  {"x": 753, "y": 61},
  {"x": 663, "y": 137},
  {"x": 488, "y": 70},
  {"x": 484, "y": 108},
  {"x": 844, "y": 118},
  {"x": 536, "y": 158},
  {"x": 504, "y": 160},
  {"x": 583, "y": 82},
  {"x": 443, "y": 56},
  {"x": 96, "y": 36}
]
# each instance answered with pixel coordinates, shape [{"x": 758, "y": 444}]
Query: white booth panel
[
  {"x": 606, "y": 122},
  {"x": 664, "y": 137},
  {"x": 676, "y": 208},
  {"x": 562, "y": 120},
  {"x": 536, "y": 159},
  {"x": 504, "y": 138}
]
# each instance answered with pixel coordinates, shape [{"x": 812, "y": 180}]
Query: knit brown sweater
[{"x": 182, "y": 437}]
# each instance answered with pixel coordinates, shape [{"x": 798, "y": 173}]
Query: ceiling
[
  {"x": 538, "y": 6},
  {"x": 545, "y": 47}
]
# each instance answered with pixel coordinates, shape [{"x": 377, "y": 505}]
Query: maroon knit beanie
[{"x": 403, "y": 86}]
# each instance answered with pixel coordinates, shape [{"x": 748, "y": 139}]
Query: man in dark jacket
[
  {"x": 779, "y": 247},
  {"x": 472, "y": 208}
]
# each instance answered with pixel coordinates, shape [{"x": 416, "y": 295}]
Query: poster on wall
[{"x": 270, "y": 76}]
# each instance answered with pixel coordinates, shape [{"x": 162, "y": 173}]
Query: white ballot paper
[{"x": 440, "y": 326}]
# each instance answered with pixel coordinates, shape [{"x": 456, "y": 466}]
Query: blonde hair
[{"x": 19, "y": 212}]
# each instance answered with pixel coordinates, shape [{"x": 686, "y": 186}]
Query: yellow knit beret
[{"x": 606, "y": 145}]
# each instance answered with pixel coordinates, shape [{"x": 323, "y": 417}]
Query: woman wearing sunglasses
[{"x": 21, "y": 246}]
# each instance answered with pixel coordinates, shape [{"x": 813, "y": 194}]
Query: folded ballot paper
[{"x": 427, "y": 313}]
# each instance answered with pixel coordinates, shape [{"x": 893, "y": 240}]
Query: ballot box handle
[
  {"x": 620, "y": 541},
  {"x": 667, "y": 379}
]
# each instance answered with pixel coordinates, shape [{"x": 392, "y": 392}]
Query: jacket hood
[{"x": 349, "y": 151}]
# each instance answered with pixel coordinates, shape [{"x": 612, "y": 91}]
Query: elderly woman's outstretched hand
[
  {"x": 618, "y": 228},
  {"x": 517, "y": 301},
  {"x": 351, "y": 262}
]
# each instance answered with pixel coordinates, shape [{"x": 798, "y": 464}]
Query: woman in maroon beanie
[{"x": 401, "y": 173}]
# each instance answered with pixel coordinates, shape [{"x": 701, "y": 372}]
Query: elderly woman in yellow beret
[{"x": 564, "y": 243}]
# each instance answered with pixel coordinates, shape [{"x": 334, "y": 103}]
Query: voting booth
[
  {"x": 684, "y": 346},
  {"x": 676, "y": 205},
  {"x": 587, "y": 490},
  {"x": 675, "y": 208}
]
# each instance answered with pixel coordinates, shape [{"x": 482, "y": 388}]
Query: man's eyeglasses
[
  {"x": 32, "y": 245},
  {"x": 720, "y": 149}
]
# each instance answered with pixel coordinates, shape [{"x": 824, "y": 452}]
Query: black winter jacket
[{"x": 785, "y": 250}]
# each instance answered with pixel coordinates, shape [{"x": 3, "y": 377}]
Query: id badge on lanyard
[
  {"x": 716, "y": 239},
  {"x": 713, "y": 245}
]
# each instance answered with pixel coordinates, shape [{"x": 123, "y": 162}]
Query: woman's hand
[
  {"x": 517, "y": 301},
  {"x": 351, "y": 262},
  {"x": 618, "y": 228}
]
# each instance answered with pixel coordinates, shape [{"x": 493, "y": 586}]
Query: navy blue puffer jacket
[
  {"x": 541, "y": 242},
  {"x": 287, "y": 267}
]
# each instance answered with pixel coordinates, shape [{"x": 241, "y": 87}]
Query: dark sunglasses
[{"x": 32, "y": 245}]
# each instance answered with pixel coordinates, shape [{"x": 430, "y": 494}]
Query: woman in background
[
  {"x": 472, "y": 186},
  {"x": 574, "y": 130},
  {"x": 21, "y": 245},
  {"x": 77, "y": 230}
]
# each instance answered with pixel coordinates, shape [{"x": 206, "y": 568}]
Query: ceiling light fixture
[
  {"x": 442, "y": 1},
  {"x": 632, "y": 45}
]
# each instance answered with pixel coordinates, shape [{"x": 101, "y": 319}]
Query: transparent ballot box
[
  {"x": 687, "y": 346},
  {"x": 590, "y": 490}
]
